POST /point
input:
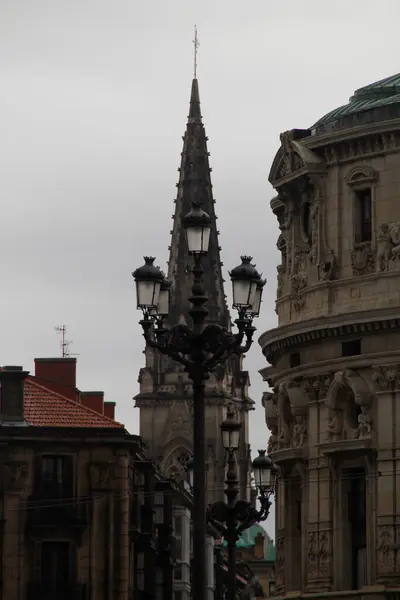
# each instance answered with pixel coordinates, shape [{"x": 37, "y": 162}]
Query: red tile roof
[{"x": 45, "y": 408}]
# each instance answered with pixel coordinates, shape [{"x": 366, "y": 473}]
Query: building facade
[
  {"x": 165, "y": 398},
  {"x": 85, "y": 515},
  {"x": 334, "y": 413}
]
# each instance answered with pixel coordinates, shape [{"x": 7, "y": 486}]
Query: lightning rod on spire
[{"x": 196, "y": 44}]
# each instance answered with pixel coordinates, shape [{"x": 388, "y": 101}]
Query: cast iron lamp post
[
  {"x": 231, "y": 518},
  {"x": 199, "y": 348}
]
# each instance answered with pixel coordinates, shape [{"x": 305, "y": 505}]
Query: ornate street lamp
[
  {"x": 231, "y": 518},
  {"x": 200, "y": 349}
]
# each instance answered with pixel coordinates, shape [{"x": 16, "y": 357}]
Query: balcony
[
  {"x": 42, "y": 591},
  {"x": 60, "y": 513}
]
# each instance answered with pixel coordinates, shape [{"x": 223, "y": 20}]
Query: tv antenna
[{"x": 64, "y": 343}]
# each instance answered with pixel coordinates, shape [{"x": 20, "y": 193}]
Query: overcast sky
[{"x": 93, "y": 104}]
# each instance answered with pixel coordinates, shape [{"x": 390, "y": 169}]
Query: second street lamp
[
  {"x": 200, "y": 349},
  {"x": 231, "y": 518}
]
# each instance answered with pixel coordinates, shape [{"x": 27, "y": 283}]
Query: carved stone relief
[
  {"x": 312, "y": 557},
  {"x": 363, "y": 259},
  {"x": 349, "y": 399},
  {"x": 15, "y": 475},
  {"x": 280, "y": 564},
  {"x": 175, "y": 465},
  {"x": 285, "y": 418},
  {"x": 280, "y": 280},
  {"x": 321, "y": 385},
  {"x": 319, "y": 554},
  {"x": 388, "y": 247},
  {"x": 387, "y": 377},
  {"x": 327, "y": 268},
  {"x": 386, "y": 549},
  {"x": 299, "y": 279},
  {"x": 286, "y": 238},
  {"x": 364, "y": 428},
  {"x": 299, "y": 431}
]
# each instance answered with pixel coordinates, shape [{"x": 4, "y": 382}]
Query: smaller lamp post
[{"x": 231, "y": 518}]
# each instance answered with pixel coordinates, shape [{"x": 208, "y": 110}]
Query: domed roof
[{"x": 383, "y": 93}]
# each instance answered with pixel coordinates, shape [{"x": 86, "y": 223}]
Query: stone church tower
[
  {"x": 165, "y": 398},
  {"x": 334, "y": 412}
]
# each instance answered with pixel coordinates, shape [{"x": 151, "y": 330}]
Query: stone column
[
  {"x": 321, "y": 495},
  {"x": 387, "y": 381},
  {"x": 101, "y": 477},
  {"x": 14, "y": 477},
  {"x": 122, "y": 502}
]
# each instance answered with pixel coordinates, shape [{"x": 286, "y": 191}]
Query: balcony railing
[
  {"x": 50, "y": 513},
  {"x": 43, "y": 591}
]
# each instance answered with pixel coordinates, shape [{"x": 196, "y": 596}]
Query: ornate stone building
[
  {"x": 334, "y": 413},
  {"x": 165, "y": 390}
]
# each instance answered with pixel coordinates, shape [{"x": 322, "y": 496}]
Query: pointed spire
[
  {"x": 195, "y": 171},
  {"x": 195, "y": 112}
]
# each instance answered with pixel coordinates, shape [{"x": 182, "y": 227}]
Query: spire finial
[{"x": 196, "y": 44}]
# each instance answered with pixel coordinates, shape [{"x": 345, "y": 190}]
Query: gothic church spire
[{"x": 194, "y": 174}]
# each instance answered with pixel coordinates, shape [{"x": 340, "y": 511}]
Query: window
[
  {"x": 56, "y": 476},
  {"x": 177, "y": 595},
  {"x": 363, "y": 215},
  {"x": 351, "y": 348},
  {"x": 295, "y": 360}
]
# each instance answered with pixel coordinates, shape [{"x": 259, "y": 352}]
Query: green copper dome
[
  {"x": 365, "y": 106},
  {"x": 248, "y": 540}
]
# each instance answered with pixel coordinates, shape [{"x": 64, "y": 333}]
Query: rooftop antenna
[
  {"x": 64, "y": 343},
  {"x": 196, "y": 44}
]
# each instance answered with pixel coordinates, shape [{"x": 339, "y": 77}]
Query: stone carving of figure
[
  {"x": 364, "y": 423},
  {"x": 286, "y": 241},
  {"x": 384, "y": 248},
  {"x": 395, "y": 236},
  {"x": 273, "y": 440},
  {"x": 299, "y": 432},
  {"x": 335, "y": 426},
  {"x": 328, "y": 267}
]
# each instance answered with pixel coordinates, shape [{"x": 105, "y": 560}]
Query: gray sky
[{"x": 93, "y": 103}]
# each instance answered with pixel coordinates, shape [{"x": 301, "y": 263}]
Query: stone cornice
[
  {"x": 282, "y": 339},
  {"x": 341, "y": 135}
]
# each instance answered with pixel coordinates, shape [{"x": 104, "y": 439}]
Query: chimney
[
  {"x": 259, "y": 546},
  {"x": 58, "y": 374},
  {"x": 109, "y": 410},
  {"x": 12, "y": 394},
  {"x": 93, "y": 400}
]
